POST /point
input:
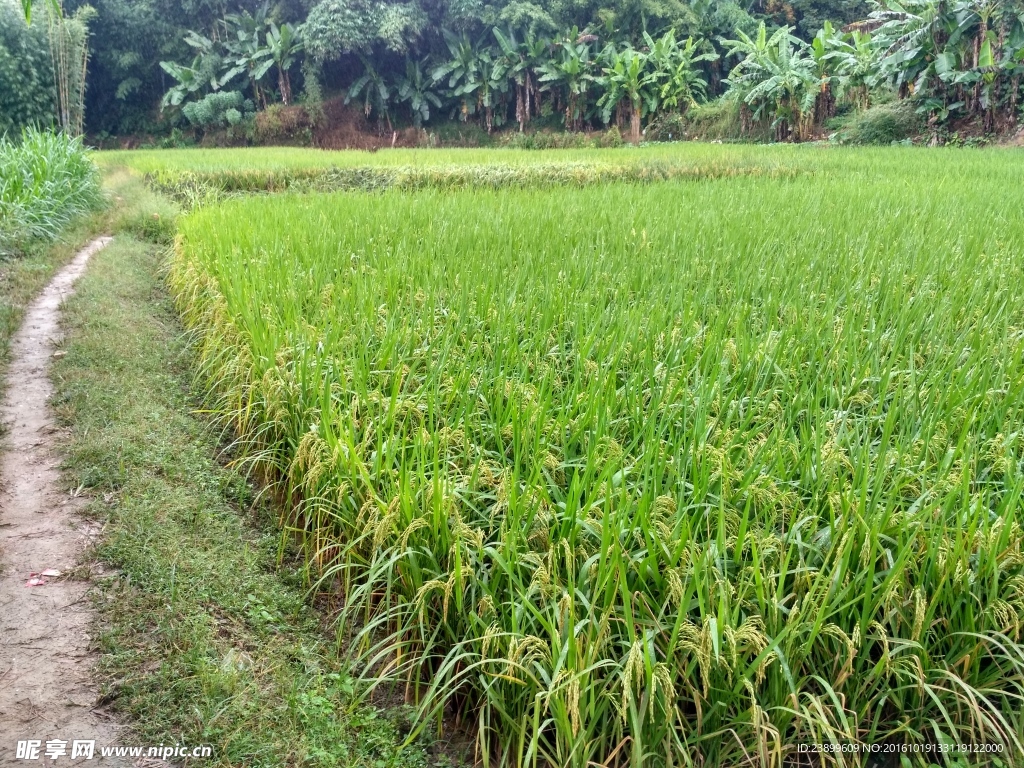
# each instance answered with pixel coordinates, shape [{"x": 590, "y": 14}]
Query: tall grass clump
[
  {"x": 46, "y": 181},
  {"x": 686, "y": 473},
  {"x": 882, "y": 124}
]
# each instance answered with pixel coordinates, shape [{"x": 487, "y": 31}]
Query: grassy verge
[
  {"x": 23, "y": 277},
  {"x": 208, "y": 640},
  {"x": 135, "y": 210}
]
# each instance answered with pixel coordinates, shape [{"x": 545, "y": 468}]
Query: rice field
[{"x": 689, "y": 472}]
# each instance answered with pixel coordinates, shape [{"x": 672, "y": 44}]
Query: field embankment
[
  {"x": 648, "y": 474},
  {"x": 193, "y": 177}
]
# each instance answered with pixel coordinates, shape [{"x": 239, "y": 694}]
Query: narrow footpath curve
[{"x": 46, "y": 689}]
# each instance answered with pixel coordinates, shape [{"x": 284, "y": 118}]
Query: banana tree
[
  {"x": 519, "y": 61},
  {"x": 283, "y": 46},
  {"x": 205, "y": 73},
  {"x": 187, "y": 82},
  {"x": 571, "y": 72},
  {"x": 415, "y": 90},
  {"x": 909, "y": 35},
  {"x": 246, "y": 51},
  {"x": 823, "y": 44},
  {"x": 492, "y": 91},
  {"x": 628, "y": 78},
  {"x": 962, "y": 53},
  {"x": 375, "y": 91},
  {"x": 464, "y": 72},
  {"x": 678, "y": 82},
  {"x": 775, "y": 79},
  {"x": 853, "y": 57}
]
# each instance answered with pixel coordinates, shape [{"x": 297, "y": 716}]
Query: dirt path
[{"x": 45, "y": 662}]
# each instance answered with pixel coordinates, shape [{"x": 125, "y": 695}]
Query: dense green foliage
[
  {"x": 26, "y": 77},
  {"x": 953, "y": 58},
  {"x": 218, "y": 110},
  {"x": 965, "y": 56},
  {"x": 883, "y": 124},
  {"x": 579, "y": 65},
  {"x": 46, "y": 181},
  {"x": 130, "y": 39},
  {"x": 642, "y": 487}
]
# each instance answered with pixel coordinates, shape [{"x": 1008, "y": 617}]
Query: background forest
[{"x": 237, "y": 71}]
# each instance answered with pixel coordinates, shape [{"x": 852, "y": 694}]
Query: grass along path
[
  {"x": 48, "y": 691},
  {"x": 135, "y": 209},
  {"x": 23, "y": 277},
  {"x": 206, "y": 640}
]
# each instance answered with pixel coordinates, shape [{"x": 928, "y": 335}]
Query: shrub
[
  {"x": 220, "y": 109},
  {"x": 46, "y": 181},
  {"x": 715, "y": 120},
  {"x": 724, "y": 119},
  {"x": 279, "y": 123},
  {"x": 611, "y": 138},
  {"x": 562, "y": 140},
  {"x": 26, "y": 74},
  {"x": 882, "y": 124},
  {"x": 545, "y": 140},
  {"x": 669, "y": 126},
  {"x": 463, "y": 135}
]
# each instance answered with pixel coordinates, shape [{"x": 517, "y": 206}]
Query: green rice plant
[
  {"x": 46, "y": 181},
  {"x": 206, "y": 175},
  {"x": 684, "y": 473}
]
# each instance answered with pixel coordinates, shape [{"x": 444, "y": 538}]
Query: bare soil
[
  {"x": 347, "y": 128},
  {"x": 46, "y": 659}
]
